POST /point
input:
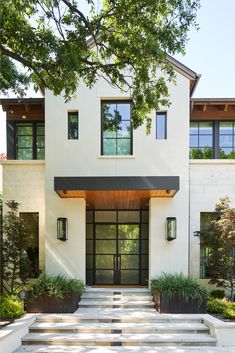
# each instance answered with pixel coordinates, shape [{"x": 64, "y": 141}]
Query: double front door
[{"x": 119, "y": 252}]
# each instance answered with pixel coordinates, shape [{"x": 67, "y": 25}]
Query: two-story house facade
[{"x": 109, "y": 204}]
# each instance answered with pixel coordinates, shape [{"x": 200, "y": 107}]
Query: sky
[{"x": 210, "y": 52}]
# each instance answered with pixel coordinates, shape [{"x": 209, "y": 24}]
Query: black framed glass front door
[{"x": 117, "y": 247}]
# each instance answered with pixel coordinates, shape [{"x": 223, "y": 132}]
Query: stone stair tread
[
  {"x": 61, "y": 326},
  {"x": 115, "y": 314},
  {"x": 117, "y": 289},
  {"x": 100, "y": 337},
  {"x": 112, "y": 297},
  {"x": 118, "y": 302},
  {"x": 126, "y": 349}
]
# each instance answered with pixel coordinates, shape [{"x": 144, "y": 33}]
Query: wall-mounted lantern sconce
[
  {"x": 170, "y": 228},
  {"x": 62, "y": 228}
]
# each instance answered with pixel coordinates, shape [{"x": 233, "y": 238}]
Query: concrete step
[
  {"x": 117, "y": 290},
  {"x": 94, "y": 339},
  {"x": 118, "y": 327},
  {"x": 126, "y": 349},
  {"x": 93, "y": 296},
  {"x": 118, "y": 316},
  {"x": 122, "y": 303}
]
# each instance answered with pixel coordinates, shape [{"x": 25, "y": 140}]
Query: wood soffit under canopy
[{"x": 26, "y": 109}]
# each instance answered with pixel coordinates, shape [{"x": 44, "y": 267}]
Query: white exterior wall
[
  {"x": 209, "y": 181},
  {"x": 24, "y": 182},
  {"x": 82, "y": 157}
]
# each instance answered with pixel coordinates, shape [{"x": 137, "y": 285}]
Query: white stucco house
[{"x": 111, "y": 205}]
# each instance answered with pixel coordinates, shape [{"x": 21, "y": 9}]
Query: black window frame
[
  {"x": 34, "y": 136},
  {"x": 165, "y": 125},
  {"x": 37, "y": 272},
  {"x": 214, "y": 142},
  {"x": 69, "y": 114},
  {"x": 116, "y": 101},
  {"x": 215, "y": 136},
  {"x": 233, "y": 136}
]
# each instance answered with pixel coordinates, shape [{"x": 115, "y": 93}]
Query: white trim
[
  {"x": 212, "y": 161},
  {"x": 115, "y": 157},
  {"x": 11, "y": 335},
  {"x": 22, "y": 162}
]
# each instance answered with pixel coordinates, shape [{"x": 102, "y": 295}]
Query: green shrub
[
  {"x": 178, "y": 284},
  {"x": 10, "y": 307},
  {"x": 215, "y": 305},
  {"x": 55, "y": 286},
  {"x": 229, "y": 313},
  {"x": 218, "y": 293}
]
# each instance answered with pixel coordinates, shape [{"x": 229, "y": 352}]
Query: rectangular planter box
[
  {"x": 176, "y": 305},
  {"x": 47, "y": 304}
]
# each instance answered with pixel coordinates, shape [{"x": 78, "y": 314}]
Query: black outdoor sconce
[
  {"x": 170, "y": 228},
  {"x": 62, "y": 229}
]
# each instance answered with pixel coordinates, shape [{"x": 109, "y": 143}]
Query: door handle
[{"x": 119, "y": 262}]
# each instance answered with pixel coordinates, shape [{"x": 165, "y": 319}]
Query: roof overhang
[
  {"x": 23, "y": 108},
  {"x": 185, "y": 71},
  {"x": 124, "y": 192},
  {"x": 212, "y": 108}
]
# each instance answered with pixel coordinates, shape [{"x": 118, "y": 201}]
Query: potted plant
[
  {"x": 54, "y": 294},
  {"x": 177, "y": 293}
]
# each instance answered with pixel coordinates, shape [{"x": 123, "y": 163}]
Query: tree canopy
[{"x": 124, "y": 41}]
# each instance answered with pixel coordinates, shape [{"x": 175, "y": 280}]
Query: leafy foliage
[
  {"x": 219, "y": 238},
  {"x": 10, "y": 307},
  {"x": 215, "y": 305},
  {"x": 229, "y": 313},
  {"x": 14, "y": 234},
  {"x": 221, "y": 306},
  {"x": 124, "y": 41},
  {"x": 205, "y": 153},
  {"x": 217, "y": 293},
  {"x": 178, "y": 284},
  {"x": 56, "y": 286}
]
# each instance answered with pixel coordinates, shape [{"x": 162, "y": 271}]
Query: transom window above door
[{"x": 116, "y": 133}]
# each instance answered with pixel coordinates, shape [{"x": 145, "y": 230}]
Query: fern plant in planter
[
  {"x": 177, "y": 293},
  {"x": 54, "y": 294}
]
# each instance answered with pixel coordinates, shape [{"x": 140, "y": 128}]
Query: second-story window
[
  {"x": 161, "y": 126},
  {"x": 29, "y": 141},
  {"x": 227, "y": 140},
  {"x": 201, "y": 140},
  {"x": 73, "y": 125},
  {"x": 116, "y": 128}
]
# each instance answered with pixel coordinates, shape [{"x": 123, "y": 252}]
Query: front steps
[{"x": 113, "y": 320}]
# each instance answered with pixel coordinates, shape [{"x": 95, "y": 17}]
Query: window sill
[
  {"x": 212, "y": 161},
  {"x": 22, "y": 162},
  {"x": 116, "y": 157}
]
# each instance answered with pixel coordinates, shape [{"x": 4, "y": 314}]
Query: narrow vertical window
[
  {"x": 30, "y": 245},
  {"x": 161, "y": 132},
  {"x": 226, "y": 140},
  {"x": 40, "y": 140},
  {"x": 73, "y": 125}
]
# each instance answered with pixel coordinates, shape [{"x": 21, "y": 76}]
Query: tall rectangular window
[
  {"x": 227, "y": 140},
  {"x": 30, "y": 252},
  {"x": 29, "y": 141},
  {"x": 201, "y": 140},
  {"x": 24, "y": 141},
  {"x": 73, "y": 125},
  {"x": 116, "y": 128},
  {"x": 161, "y": 126}
]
